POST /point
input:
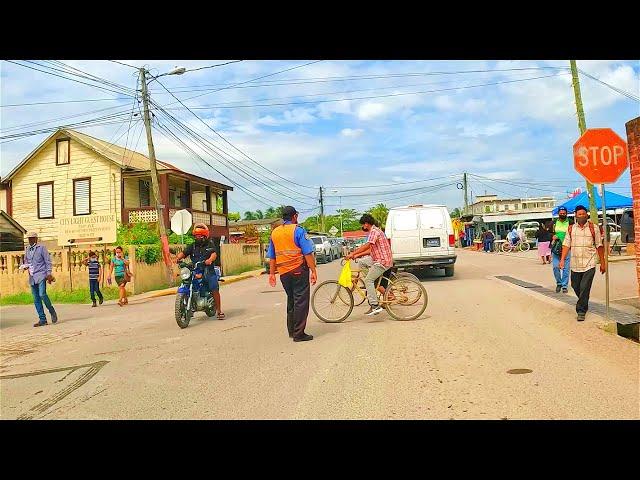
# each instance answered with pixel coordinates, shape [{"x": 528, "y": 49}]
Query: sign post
[{"x": 601, "y": 156}]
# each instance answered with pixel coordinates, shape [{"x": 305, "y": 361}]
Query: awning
[{"x": 516, "y": 217}]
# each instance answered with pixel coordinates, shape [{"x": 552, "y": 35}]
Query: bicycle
[
  {"x": 521, "y": 246},
  {"x": 333, "y": 303},
  {"x": 361, "y": 289}
]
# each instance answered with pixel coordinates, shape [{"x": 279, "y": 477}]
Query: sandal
[
  {"x": 221, "y": 316},
  {"x": 120, "y": 302}
]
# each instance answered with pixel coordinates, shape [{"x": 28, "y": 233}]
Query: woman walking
[
  {"x": 123, "y": 275},
  {"x": 544, "y": 242}
]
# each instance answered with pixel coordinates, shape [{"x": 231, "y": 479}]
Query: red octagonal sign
[{"x": 600, "y": 155}]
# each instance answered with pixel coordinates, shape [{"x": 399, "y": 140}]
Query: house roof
[
  {"x": 123, "y": 157},
  {"x": 10, "y": 219}
]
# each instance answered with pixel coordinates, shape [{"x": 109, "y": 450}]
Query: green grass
[
  {"x": 80, "y": 295},
  {"x": 240, "y": 270}
]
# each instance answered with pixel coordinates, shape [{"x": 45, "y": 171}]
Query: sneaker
[
  {"x": 581, "y": 317},
  {"x": 94, "y": 304},
  {"x": 101, "y": 301},
  {"x": 304, "y": 338},
  {"x": 565, "y": 289},
  {"x": 54, "y": 317},
  {"x": 375, "y": 310},
  {"x": 558, "y": 287},
  {"x": 40, "y": 324}
]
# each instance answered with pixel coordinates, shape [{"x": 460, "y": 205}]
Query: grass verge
[{"x": 80, "y": 295}]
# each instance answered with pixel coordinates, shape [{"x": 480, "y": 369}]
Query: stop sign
[{"x": 600, "y": 155}]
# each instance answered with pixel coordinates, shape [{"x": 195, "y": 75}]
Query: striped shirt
[
  {"x": 94, "y": 269},
  {"x": 380, "y": 248}
]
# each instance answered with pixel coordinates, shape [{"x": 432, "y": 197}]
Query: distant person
[
  {"x": 544, "y": 242},
  {"x": 584, "y": 240},
  {"x": 95, "y": 276},
  {"x": 513, "y": 236},
  {"x": 123, "y": 274},
  {"x": 38, "y": 262},
  {"x": 490, "y": 239},
  {"x": 559, "y": 231}
]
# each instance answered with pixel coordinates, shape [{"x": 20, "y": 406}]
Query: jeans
[
  {"x": 581, "y": 283},
  {"x": 94, "y": 288},
  {"x": 39, "y": 292},
  {"x": 488, "y": 245},
  {"x": 562, "y": 279}
]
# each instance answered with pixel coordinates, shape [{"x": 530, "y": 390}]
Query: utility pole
[
  {"x": 321, "y": 211},
  {"x": 466, "y": 198},
  {"x": 154, "y": 177},
  {"x": 582, "y": 126}
]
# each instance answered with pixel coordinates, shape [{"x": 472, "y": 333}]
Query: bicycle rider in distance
[{"x": 381, "y": 260}]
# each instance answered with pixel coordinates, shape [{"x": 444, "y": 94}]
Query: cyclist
[
  {"x": 513, "y": 236},
  {"x": 378, "y": 247}
]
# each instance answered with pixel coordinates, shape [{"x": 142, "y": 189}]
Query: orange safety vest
[{"x": 288, "y": 255}]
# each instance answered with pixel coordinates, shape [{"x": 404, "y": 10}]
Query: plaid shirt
[
  {"x": 380, "y": 248},
  {"x": 581, "y": 243}
]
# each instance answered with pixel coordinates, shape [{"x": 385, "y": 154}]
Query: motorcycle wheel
[{"x": 183, "y": 316}]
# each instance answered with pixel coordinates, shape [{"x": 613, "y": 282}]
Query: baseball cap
[
  {"x": 561, "y": 209},
  {"x": 288, "y": 211},
  {"x": 32, "y": 234}
]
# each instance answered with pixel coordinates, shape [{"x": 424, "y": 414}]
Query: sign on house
[{"x": 94, "y": 229}]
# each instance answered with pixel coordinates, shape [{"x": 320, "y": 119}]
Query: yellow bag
[{"x": 345, "y": 275}]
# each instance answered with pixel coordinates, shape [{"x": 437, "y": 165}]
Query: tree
[
  {"x": 234, "y": 216},
  {"x": 350, "y": 219},
  {"x": 455, "y": 213},
  {"x": 379, "y": 212},
  {"x": 258, "y": 214},
  {"x": 248, "y": 215}
]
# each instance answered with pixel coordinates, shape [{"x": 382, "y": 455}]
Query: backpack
[{"x": 591, "y": 228}]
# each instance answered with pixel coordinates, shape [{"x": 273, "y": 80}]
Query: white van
[{"x": 422, "y": 237}]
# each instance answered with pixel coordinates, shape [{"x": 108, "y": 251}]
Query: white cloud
[
  {"x": 350, "y": 132},
  {"x": 475, "y": 130},
  {"x": 443, "y": 102},
  {"x": 370, "y": 110}
]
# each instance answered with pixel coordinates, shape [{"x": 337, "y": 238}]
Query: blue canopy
[{"x": 613, "y": 200}]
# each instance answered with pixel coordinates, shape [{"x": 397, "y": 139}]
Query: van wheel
[{"x": 448, "y": 271}]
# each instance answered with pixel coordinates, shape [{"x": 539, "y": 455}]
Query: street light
[{"x": 340, "y": 200}]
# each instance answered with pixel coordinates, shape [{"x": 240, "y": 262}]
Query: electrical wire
[
  {"x": 615, "y": 89},
  {"x": 211, "y": 66}
]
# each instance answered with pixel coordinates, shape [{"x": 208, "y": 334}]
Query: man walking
[
  {"x": 559, "y": 231},
  {"x": 37, "y": 261},
  {"x": 584, "y": 240},
  {"x": 291, "y": 253}
]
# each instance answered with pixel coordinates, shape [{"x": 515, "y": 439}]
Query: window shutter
[
  {"x": 45, "y": 204},
  {"x": 81, "y": 189}
]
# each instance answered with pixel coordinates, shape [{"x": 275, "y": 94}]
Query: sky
[{"x": 393, "y": 132}]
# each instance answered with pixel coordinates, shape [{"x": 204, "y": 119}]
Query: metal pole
[
  {"x": 69, "y": 262},
  {"x": 606, "y": 248},
  {"x": 466, "y": 198},
  {"x": 340, "y": 216},
  {"x": 582, "y": 126}
]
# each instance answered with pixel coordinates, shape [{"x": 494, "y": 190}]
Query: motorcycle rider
[{"x": 203, "y": 249}]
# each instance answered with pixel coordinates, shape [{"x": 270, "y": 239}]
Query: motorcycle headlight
[{"x": 185, "y": 273}]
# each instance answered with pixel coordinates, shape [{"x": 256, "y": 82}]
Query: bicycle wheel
[
  {"x": 359, "y": 293},
  {"x": 399, "y": 296},
  {"x": 331, "y": 302},
  {"x": 418, "y": 293},
  {"x": 506, "y": 247},
  {"x": 404, "y": 274},
  {"x": 525, "y": 247}
]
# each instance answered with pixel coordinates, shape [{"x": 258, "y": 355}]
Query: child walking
[
  {"x": 95, "y": 277},
  {"x": 123, "y": 275}
]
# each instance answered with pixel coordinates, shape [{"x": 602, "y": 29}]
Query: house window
[
  {"x": 82, "y": 196},
  {"x": 144, "y": 193},
  {"x": 63, "y": 151},
  {"x": 45, "y": 200}
]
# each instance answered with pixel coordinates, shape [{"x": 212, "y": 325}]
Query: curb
[{"x": 621, "y": 259}]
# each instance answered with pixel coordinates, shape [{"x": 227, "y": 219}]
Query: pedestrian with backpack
[
  {"x": 559, "y": 231},
  {"x": 584, "y": 241}
]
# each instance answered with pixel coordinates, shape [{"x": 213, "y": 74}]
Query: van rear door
[
  {"x": 405, "y": 242},
  {"x": 434, "y": 235}
]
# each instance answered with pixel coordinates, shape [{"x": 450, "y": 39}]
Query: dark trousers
[
  {"x": 296, "y": 284},
  {"x": 581, "y": 284},
  {"x": 94, "y": 288}
]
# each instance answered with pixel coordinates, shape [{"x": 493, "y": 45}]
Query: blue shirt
[
  {"x": 38, "y": 257},
  {"x": 300, "y": 238}
]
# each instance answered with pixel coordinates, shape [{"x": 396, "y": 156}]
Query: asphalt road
[{"x": 452, "y": 363}]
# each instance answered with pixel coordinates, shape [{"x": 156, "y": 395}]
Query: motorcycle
[{"x": 193, "y": 294}]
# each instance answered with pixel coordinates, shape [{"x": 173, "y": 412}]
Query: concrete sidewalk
[{"x": 172, "y": 290}]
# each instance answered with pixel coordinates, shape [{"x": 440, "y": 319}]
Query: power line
[
  {"x": 615, "y": 89},
  {"x": 394, "y": 184},
  {"x": 212, "y": 66},
  {"x": 236, "y": 148},
  {"x": 125, "y": 64},
  {"x": 62, "y": 101}
]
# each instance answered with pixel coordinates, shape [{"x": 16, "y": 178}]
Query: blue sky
[{"x": 518, "y": 132}]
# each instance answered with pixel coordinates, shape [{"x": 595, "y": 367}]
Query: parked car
[
  {"x": 323, "y": 248},
  {"x": 615, "y": 235},
  {"x": 626, "y": 226},
  {"x": 422, "y": 237},
  {"x": 336, "y": 248},
  {"x": 529, "y": 229}
]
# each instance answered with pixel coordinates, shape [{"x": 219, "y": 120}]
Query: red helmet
[{"x": 200, "y": 230}]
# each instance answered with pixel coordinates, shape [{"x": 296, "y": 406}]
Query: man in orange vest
[{"x": 291, "y": 252}]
